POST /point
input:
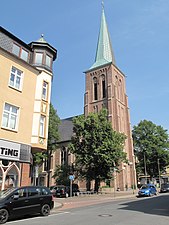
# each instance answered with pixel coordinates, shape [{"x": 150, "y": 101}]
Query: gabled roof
[
  {"x": 104, "y": 52},
  {"x": 66, "y": 129}
]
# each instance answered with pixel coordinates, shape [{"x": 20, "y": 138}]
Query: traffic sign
[{"x": 71, "y": 177}]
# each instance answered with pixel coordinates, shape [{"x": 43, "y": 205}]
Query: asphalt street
[{"x": 129, "y": 211}]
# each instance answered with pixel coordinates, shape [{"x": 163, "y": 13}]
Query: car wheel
[
  {"x": 45, "y": 210},
  {"x": 3, "y": 216}
]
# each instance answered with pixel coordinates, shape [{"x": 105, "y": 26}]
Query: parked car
[
  {"x": 147, "y": 190},
  {"x": 15, "y": 202},
  {"x": 164, "y": 188},
  {"x": 59, "y": 191},
  {"x": 64, "y": 191},
  {"x": 75, "y": 190}
]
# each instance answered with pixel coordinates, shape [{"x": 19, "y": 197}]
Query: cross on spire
[{"x": 102, "y": 4}]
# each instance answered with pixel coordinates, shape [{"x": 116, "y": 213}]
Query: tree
[
  {"x": 53, "y": 137},
  {"x": 61, "y": 174},
  {"x": 151, "y": 145},
  {"x": 97, "y": 147}
]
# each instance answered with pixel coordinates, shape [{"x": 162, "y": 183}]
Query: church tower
[{"x": 105, "y": 87}]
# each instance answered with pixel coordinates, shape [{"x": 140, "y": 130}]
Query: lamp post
[
  {"x": 145, "y": 168},
  {"x": 158, "y": 163},
  {"x": 132, "y": 168},
  {"x": 114, "y": 182}
]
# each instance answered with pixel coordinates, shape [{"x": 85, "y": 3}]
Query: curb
[{"x": 58, "y": 205}]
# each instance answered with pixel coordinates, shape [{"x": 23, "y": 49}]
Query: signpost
[{"x": 71, "y": 178}]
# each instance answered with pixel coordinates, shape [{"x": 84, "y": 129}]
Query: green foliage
[
  {"x": 97, "y": 147},
  {"x": 61, "y": 174},
  {"x": 53, "y": 134},
  {"x": 152, "y": 142},
  {"x": 39, "y": 157}
]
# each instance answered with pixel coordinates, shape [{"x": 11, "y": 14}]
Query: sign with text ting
[{"x": 9, "y": 150}]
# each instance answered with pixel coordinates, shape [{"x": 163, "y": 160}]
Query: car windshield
[
  {"x": 6, "y": 192},
  {"x": 144, "y": 187}
]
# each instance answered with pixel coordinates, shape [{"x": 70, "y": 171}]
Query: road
[{"x": 134, "y": 211}]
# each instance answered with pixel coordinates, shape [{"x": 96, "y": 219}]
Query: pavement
[{"x": 89, "y": 199}]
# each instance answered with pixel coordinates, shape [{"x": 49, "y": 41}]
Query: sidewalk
[{"x": 59, "y": 202}]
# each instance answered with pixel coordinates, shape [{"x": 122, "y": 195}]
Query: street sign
[{"x": 71, "y": 177}]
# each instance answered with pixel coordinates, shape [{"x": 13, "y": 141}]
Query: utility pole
[
  {"x": 158, "y": 163},
  {"x": 133, "y": 180},
  {"x": 145, "y": 168}
]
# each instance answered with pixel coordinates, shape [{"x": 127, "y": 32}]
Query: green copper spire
[{"x": 104, "y": 52}]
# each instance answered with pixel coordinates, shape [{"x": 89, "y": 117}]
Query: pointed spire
[{"x": 104, "y": 52}]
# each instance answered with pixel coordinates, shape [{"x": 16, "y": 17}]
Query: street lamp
[
  {"x": 132, "y": 168},
  {"x": 115, "y": 182},
  {"x": 158, "y": 163},
  {"x": 145, "y": 168}
]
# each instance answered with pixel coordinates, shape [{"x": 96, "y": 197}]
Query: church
[{"x": 104, "y": 87}]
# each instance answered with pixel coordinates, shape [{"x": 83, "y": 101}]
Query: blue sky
[{"x": 139, "y": 31}]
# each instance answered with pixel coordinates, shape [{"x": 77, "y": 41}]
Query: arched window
[
  {"x": 95, "y": 88},
  {"x": 103, "y": 87},
  {"x": 64, "y": 156}
]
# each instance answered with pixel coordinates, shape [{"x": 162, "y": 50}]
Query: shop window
[{"x": 5, "y": 162}]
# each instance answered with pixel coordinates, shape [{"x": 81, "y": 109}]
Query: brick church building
[{"x": 105, "y": 87}]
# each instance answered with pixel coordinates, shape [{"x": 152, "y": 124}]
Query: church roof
[
  {"x": 65, "y": 129},
  {"x": 104, "y": 52}
]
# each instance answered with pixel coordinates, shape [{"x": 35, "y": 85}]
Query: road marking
[
  {"x": 38, "y": 217},
  {"x": 59, "y": 213}
]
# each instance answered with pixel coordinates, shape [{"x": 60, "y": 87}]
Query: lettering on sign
[{"x": 9, "y": 150}]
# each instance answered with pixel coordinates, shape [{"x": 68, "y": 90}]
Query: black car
[
  {"x": 60, "y": 191},
  {"x": 15, "y": 202},
  {"x": 164, "y": 188},
  {"x": 63, "y": 191}
]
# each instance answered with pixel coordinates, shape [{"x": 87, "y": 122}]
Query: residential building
[{"x": 25, "y": 84}]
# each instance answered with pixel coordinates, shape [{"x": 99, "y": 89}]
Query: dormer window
[
  {"x": 20, "y": 52},
  {"x": 24, "y": 55},
  {"x": 16, "y": 49}
]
